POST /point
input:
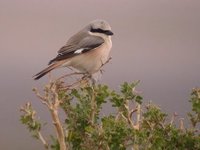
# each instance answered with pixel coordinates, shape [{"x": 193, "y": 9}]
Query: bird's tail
[{"x": 46, "y": 70}]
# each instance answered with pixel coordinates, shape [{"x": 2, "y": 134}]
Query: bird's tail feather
[{"x": 46, "y": 70}]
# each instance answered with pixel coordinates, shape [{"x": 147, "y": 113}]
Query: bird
[{"x": 87, "y": 50}]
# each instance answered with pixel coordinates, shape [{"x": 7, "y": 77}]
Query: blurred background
[{"x": 157, "y": 42}]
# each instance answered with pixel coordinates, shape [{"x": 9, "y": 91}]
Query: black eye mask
[{"x": 98, "y": 30}]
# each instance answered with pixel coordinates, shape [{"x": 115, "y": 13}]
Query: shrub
[{"x": 133, "y": 125}]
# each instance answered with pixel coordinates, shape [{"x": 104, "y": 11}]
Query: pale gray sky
[{"x": 156, "y": 41}]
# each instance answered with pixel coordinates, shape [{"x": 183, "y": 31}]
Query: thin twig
[
  {"x": 71, "y": 74},
  {"x": 129, "y": 119},
  {"x": 43, "y": 140},
  {"x": 102, "y": 64},
  {"x": 75, "y": 84},
  {"x": 93, "y": 106},
  {"x": 181, "y": 124},
  {"x": 137, "y": 126},
  {"x": 132, "y": 112},
  {"x": 43, "y": 99},
  {"x": 173, "y": 118}
]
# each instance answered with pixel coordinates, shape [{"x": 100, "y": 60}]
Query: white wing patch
[{"x": 79, "y": 51}]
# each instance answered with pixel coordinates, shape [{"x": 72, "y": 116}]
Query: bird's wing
[{"x": 76, "y": 47}]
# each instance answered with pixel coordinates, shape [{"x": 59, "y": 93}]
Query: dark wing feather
[
  {"x": 85, "y": 44},
  {"x": 73, "y": 42}
]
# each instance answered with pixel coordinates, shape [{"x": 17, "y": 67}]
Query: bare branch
[
  {"x": 59, "y": 129},
  {"x": 102, "y": 64},
  {"x": 137, "y": 126},
  {"x": 71, "y": 74},
  {"x": 132, "y": 112},
  {"x": 46, "y": 145},
  {"x": 173, "y": 118},
  {"x": 181, "y": 124},
  {"x": 93, "y": 106},
  {"x": 75, "y": 84},
  {"x": 55, "y": 117},
  {"x": 52, "y": 103},
  {"x": 43, "y": 99}
]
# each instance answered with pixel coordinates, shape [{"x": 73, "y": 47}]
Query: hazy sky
[{"x": 156, "y": 41}]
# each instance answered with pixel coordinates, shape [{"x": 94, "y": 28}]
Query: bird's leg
[{"x": 85, "y": 76}]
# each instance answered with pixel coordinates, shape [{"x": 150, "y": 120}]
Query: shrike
[{"x": 85, "y": 51}]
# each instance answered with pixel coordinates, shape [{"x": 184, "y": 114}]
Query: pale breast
[{"x": 93, "y": 60}]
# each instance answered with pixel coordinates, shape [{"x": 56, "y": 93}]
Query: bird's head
[{"x": 100, "y": 27}]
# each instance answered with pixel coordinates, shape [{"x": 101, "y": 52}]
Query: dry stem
[
  {"x": 173, "y": 118},
  {"x": 43, "y": 140},
  {"x": 56, "y": 119},
  {"x": 137, "y": 126},
  {"x": 76, "y": 83},
  {"x": 93, "y": 106},
  {"x": 181, "y": 124},
  {"x": 53, "y": 105}
]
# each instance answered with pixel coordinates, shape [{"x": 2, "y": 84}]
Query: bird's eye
[{"x": 98, "y": 30}]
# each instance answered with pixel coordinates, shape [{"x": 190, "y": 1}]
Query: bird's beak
[{"x": 109, "y": 32}]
